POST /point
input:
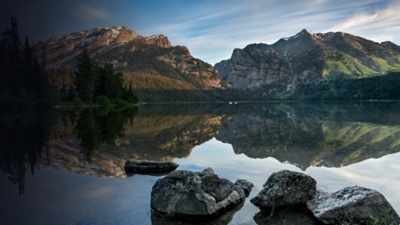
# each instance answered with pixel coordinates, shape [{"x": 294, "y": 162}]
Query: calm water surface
[{"x": 67, "y": 167}]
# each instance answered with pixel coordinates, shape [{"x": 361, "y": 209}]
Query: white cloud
[{"x": 379, "y": 18}]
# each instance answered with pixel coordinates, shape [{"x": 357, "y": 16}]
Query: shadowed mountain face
[
  {"x": 314, "y": 135},
  {"x": 276, "y": 71}
]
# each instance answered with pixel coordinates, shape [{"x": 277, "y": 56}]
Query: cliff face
[
  {"x": 254, "y": 67},
  {"x": 275, "y": 71}
]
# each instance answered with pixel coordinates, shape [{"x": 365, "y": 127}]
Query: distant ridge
[{"x": 277, "y": 70}]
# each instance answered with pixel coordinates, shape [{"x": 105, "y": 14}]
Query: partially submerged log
[{"x": 149, "y": 167}]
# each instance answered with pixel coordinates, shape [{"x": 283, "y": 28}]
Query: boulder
[
  {"x": 149, "y": 167},
  {"x": 355, "y": 205},
  {"x": 285, "y": 188},
  {"x": 200, "y": 195}
]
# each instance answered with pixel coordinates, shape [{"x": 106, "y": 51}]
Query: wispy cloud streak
[
  {"x": 380, "y": 17},
  {"x": 227, "y": 25},
  {"x": 92, "y": 12}
]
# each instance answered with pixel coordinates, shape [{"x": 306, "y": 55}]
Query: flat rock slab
[
  {"x": 199, "y": 195},
  {"x": 354, "y": 205},
  {"x": 285, "y": 188}
]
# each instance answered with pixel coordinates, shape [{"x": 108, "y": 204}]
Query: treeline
[
  {"x": 385, "y": 87},
  {"x": 101, "y": 85},
  {"x": 23, "y": 80}
]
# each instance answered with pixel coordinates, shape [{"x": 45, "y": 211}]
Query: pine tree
[
  {"x": 11, "y": 58},
  {"x": 85, "y": 77},
  {"x": 109, "y": 83}
]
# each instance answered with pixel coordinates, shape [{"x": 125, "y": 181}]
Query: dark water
[{"x": 67, "y": 167}]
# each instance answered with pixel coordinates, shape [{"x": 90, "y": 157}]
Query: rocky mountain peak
[
  {"x": 305, "y": 58},
  {"x": 62, "y": 50},
  {"x": 306, "y": 32},
  {"x": 159, "y": 40}
]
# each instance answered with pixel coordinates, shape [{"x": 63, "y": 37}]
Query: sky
[{"x": 211, "y": 29}]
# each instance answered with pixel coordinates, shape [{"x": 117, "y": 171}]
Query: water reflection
[
  {"x": 22, "y": 136},
  {"x": 223, "y": 219},
  {"x": 169, "y": 133},
  {"x": 97, "y": 142},
  {"x": 307, "y": 135},
  {"x": 101, "y": 126}
]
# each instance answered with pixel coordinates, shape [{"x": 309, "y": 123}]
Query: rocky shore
[{"x": 287, "y": 197}]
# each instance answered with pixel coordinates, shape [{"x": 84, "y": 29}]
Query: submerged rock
[
  {"x": 355, "y": 205},
  {"x": 149, "y": 167},
  {"x": 222, "y": 219},
  {"x": 286, "y": 215},
  {"x": 285, "y": 188},
  {"x": 200, "y": 195}
]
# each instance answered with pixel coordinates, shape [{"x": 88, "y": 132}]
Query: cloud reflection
[
  {"x": 379, "y": 174},
  {"x": 367, "y": 173}
]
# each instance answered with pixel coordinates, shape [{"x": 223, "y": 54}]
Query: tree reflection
[
  {"x": 87, "y": 132},
  {"x": 101, "y": 126},
  {"x": 22, "y": 138}
]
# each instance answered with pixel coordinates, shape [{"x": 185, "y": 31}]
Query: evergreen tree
[
  {"x": 104, "y": 82},
  {"x": 85, "y": 77},
  {"x": 23, "y": 81},
  {"x": 11, "y": 58}
]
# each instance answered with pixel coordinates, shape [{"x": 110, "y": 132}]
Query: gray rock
[
  {"x": 195, "y": 194},
  {"x": 355, "y": 205},
  {"x": 245, "y": 185},
  {"x": 285, "y": 188}
]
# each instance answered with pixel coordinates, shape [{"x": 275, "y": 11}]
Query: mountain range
[
  {"x": 281, "y": 69},
  {"x": 155, "y": 69},
  {"x": 333, "y": 65}
]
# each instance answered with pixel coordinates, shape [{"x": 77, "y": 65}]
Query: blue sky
[{"x": 211, "y": 29}]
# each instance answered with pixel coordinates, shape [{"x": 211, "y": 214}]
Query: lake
[{"x": 67, "y": 166}]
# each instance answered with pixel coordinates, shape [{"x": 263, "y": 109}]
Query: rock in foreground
[
  {"x": 200, "y": 195},
  {"x": 285, "y": 188},
  {"x": 355, "y": 205}
]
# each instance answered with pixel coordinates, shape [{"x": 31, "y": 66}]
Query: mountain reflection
[
  {"x": 99, "y": 141},
  {"x": 331, "y": 135},
  {"x": 170, "y": 134}
]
